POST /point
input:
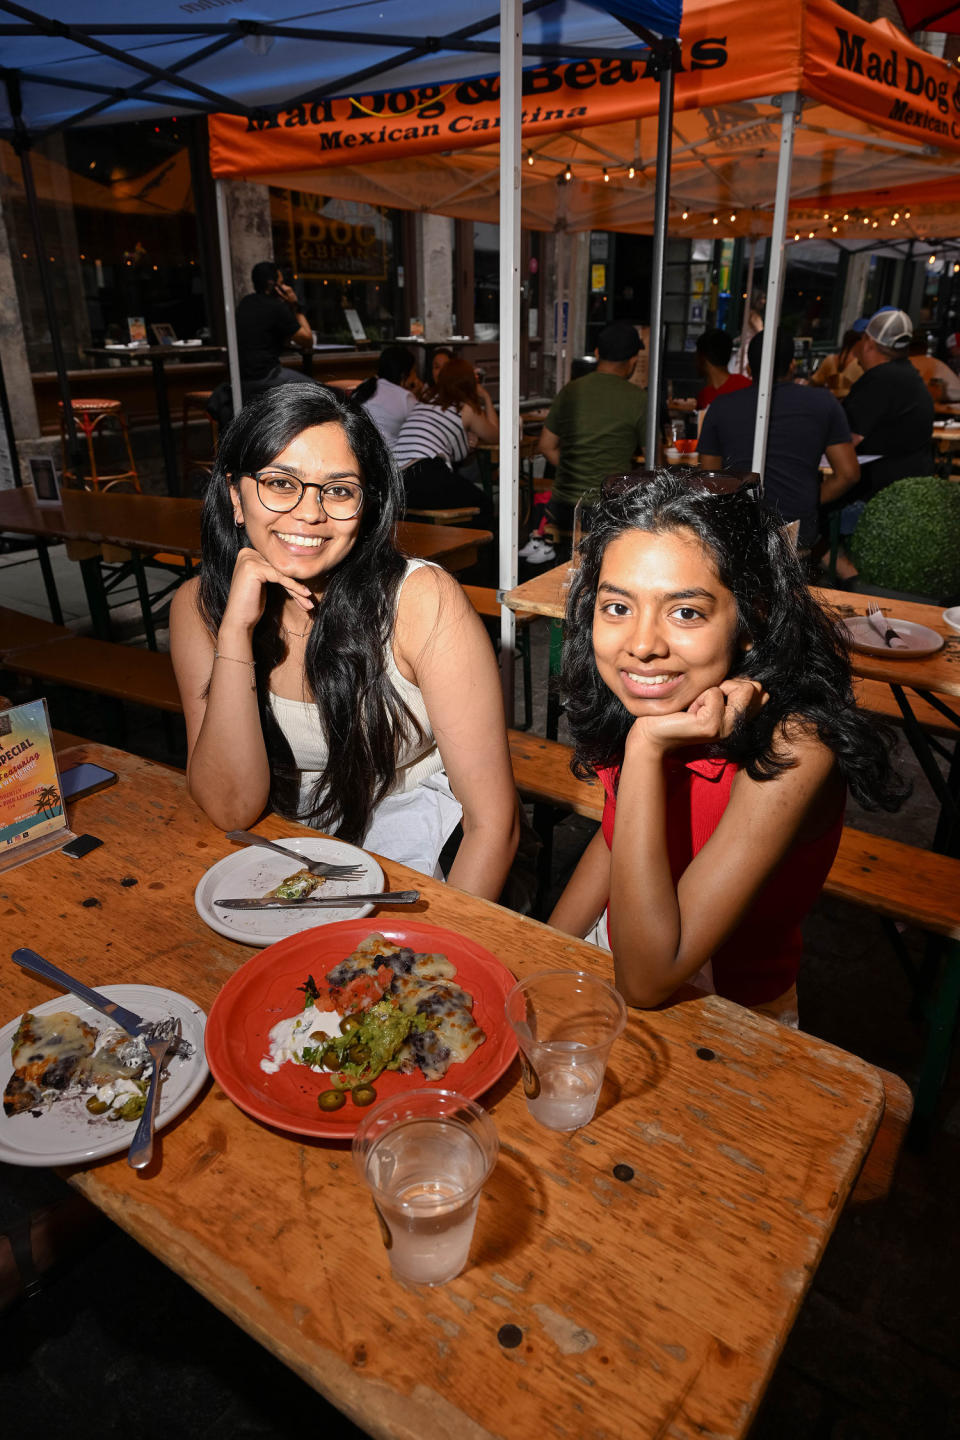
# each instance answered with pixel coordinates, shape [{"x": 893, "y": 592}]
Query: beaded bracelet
[{"x": 235, "y": 661}]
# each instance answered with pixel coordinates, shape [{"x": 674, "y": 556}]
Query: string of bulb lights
[{"x": 566, "y": 174}]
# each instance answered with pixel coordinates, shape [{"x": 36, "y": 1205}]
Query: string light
[
  {"x": 875, "y": 224},
  {"x": 826, "y": 217},
  {"x": 893, "y": 222},
  {"x": 866, "y": 219},
  {"x": 956, "y": 269},
  {"x": 685, "y": 214},
  {"x": 797, "y": 236},
  {"x": 606, "y": 176},
  {"x": 715, "y": 220},
  {"x": 810, "y": 235},
  {"x": 733, "y": 218},
  {"x": 834, "y": 229},
  {"x": 631, "y": 172},
  {"x": 529, "y": 157},
  {"x": 568, "y": 174},
  {"x": 906, "y": 214},
  {"x": 896, "y": 214},
  {"x": 846, "y": 217}
]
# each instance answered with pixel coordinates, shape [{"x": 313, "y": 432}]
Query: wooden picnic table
[
  {"x": 638, "y": 1277},
  {"x": 160, "y": 524},
  {"x": 932, "y": 676}
]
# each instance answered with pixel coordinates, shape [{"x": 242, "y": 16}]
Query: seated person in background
[
  {"x": 596, "y": 424},
  {"x": 440, "y": 357},
  {"x": 390, "y": 395},
  {"x": 889, "y": 409},
  {"x": 941, "y": 382},
  {"x": 268, "y": 321},
  {"x": 804, "y": 424},
  {"x": 840, "y": 371},
  {"x": 714, "y": 348},
  {"x": 324, "y": 673},
  {"x": 436, "y": 437},
  {"x": 712, "y": 696}
]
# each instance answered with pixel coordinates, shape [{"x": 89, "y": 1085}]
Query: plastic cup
[
  {"x": 425, "y": 1155},
  {"x": 565, "y": 1022}
]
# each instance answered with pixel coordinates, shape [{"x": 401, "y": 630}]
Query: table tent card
[{"x": 33, "y": 819}]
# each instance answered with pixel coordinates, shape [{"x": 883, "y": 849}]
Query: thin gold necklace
[{"x": 297, "y": 634}]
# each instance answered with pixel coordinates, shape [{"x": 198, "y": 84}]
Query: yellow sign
[
  {"x": 31, "y": 807},
  {"x": 598, "y": 277}
]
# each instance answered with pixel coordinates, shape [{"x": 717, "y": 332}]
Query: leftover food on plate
[
  {"x": 60, "y": 1057},
  {"x": 296, "y": 887},
  {"x": 385, "y": 1007}
]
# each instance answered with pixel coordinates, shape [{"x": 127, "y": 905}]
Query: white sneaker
[
  {"x": 531, "y": 547},
  {"x": 538, "y": 552}
]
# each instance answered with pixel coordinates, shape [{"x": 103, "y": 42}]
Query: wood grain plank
[{"x": 652, "y": 1305}]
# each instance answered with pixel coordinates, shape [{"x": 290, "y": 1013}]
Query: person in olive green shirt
[{"x": 597, "y": 424}]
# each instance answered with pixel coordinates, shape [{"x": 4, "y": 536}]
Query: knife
[
  {"x": 339, "y": 902},
  {"x": 126, "y": 1019}
]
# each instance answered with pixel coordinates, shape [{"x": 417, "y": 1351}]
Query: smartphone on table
[{"x": 85, "y": 779}]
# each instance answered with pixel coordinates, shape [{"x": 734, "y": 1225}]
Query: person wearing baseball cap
[{"x": 889, "y": 408}]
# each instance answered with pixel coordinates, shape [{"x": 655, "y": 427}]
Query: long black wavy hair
[
  {"x": 797, "y": 654},
  {"x": 362, "y": 716}
]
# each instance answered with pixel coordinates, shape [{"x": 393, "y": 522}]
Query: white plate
[
  {"x": 952, "y": 617},
  {"x": 67, "y": 1134},
  {"x": 252, "y": 871},
  {"x": 921, "y": 640}
]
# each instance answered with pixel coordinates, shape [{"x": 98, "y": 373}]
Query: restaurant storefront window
[
  {"x": 119, "y": 232},
  {"x": 342, "y": 256}
]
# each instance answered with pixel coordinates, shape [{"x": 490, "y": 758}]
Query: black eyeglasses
[{"x": 280, "y": 491}]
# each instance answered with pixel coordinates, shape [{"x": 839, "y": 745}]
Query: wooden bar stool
[
  {"x": 89, "y": 415},
  {"x": 196, "y": 401}
]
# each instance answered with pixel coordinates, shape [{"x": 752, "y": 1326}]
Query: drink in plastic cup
[
  {"x": 425, "y": 1155},
  {"x": 565, "y": 1022}
]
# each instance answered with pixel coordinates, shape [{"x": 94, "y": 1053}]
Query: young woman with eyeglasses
[
  {"x": 711, "y": 694},
  {"x": 321, "y": 671}
]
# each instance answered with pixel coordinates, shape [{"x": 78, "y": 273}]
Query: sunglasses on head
[{"x": 714, "y": 482}]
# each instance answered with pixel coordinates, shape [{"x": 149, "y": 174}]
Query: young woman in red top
[{"x": 711, "y": 694}]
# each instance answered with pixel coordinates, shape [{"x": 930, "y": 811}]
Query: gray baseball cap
[{"x": 892, "y": 329}]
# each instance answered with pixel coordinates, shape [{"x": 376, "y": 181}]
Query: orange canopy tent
[{"x": 879, "y": 117}]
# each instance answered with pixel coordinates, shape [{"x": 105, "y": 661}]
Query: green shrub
[{"x": 908, "y": 538}]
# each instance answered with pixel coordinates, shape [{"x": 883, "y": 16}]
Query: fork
[
  {"x": 315, "y": 867},
  {"x": 141, "y": 1147},
  {"x": 879, "y": 622}
]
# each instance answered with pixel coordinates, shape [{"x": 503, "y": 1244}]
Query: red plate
[{"x": 264, "y": 990}]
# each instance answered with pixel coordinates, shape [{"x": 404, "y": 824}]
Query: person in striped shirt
[{"x": 437, "y": 437}]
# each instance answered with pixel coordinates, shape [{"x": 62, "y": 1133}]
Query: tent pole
[
  {"x": 790, "y": 113},
  {"x": 511, "y": 26},
  {"x": 661, "y": 206},
  {"x": 751, "y": 265},
  {"x": 226, "y": 275}
]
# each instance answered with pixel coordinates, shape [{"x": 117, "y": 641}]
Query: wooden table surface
[
  {"x": 152, "y": 523},
  {"x": 652, "y": 1300},
  {"x": 939, "y": 673}
]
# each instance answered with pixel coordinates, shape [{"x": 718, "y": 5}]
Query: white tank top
[{"x": 299, "y": 721}]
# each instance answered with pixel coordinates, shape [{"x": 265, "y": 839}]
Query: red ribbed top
[{"x": 761, "y": 959}]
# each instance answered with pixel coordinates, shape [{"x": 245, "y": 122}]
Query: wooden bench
[
  {"x": 896, "y": 881},
  {"x": 18, "y": 629},
  {"x": 122, "y": 672}
]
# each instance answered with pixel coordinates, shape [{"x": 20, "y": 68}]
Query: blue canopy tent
[{"x": 86, "y": 62}]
